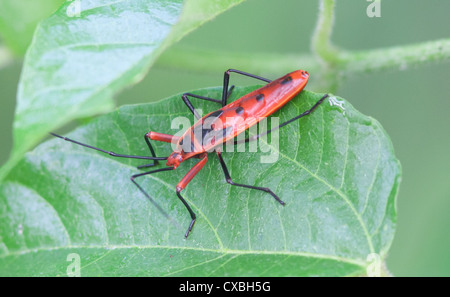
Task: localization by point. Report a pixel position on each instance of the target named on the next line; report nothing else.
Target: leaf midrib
(225, 251)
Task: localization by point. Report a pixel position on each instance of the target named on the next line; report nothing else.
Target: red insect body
(226, 123)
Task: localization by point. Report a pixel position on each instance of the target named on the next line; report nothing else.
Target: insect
(243, 112)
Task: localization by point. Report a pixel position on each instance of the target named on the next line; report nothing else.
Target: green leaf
(18, 19)
(79, 61)
(336, 171)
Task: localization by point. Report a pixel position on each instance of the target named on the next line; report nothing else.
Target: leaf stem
(348, 63)
(393, 58)
(321, 40)
(203, 60)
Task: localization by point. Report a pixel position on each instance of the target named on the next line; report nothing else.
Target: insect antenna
(133, 176)
(109, 152)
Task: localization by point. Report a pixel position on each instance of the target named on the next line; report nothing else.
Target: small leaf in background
(79, 60)
(336, 171)
(18, 19)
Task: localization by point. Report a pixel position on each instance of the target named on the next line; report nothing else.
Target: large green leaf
(78, 61)
(336, 172)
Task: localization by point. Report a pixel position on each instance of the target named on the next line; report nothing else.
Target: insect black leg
(191, 107)
(183, 183)
(228, 179)
(309, 111)
(133, 177)
(225, 93)
(152, 151)
(191, 213)
(226, 80)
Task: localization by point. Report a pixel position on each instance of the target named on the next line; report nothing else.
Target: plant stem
(347, 63)
(394, 58)
(211, 61)
(321, 40)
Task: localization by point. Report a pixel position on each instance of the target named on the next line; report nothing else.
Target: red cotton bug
(243, 112)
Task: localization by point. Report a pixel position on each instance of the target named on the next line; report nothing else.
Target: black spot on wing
(211, 136)
(205, 132)
(214, 114)
(185, 142)
(227, 131)
(286, 80)
(239, 110)
(259, 97)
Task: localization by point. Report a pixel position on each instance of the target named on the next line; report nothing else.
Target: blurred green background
(412, 104)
